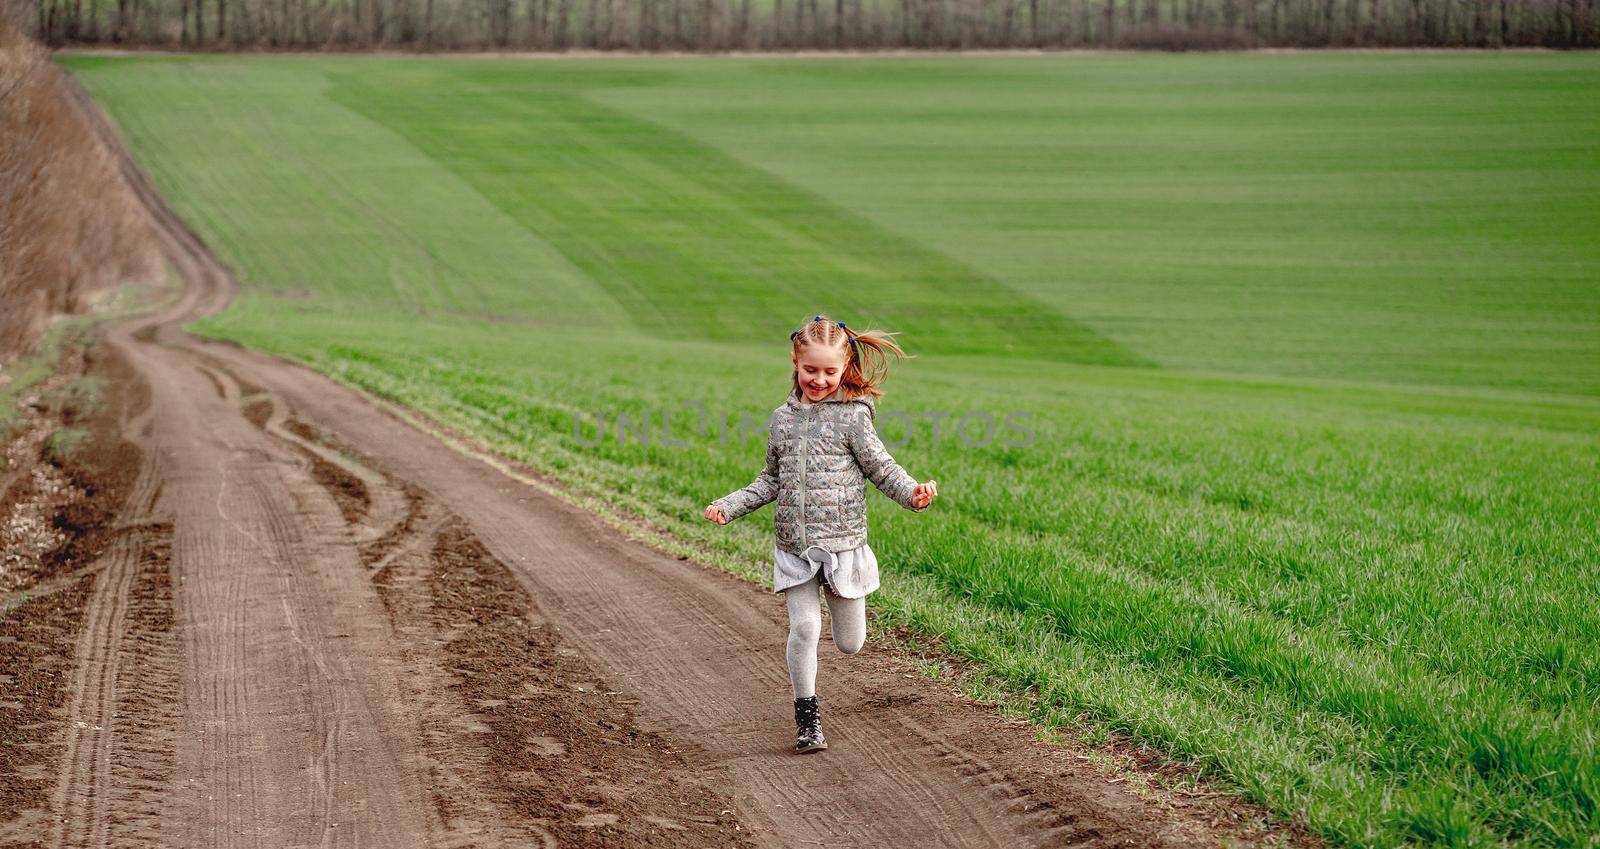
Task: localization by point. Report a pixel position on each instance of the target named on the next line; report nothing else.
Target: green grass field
(1310, 346)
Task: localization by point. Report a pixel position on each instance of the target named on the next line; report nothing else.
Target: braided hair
(867, 353)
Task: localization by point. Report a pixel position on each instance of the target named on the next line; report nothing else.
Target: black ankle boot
(808, 726)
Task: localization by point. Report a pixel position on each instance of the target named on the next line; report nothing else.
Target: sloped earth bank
(316, 625)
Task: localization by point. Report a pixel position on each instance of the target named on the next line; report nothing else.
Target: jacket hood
(796, 402)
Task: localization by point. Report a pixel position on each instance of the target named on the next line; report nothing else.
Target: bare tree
(840, 24)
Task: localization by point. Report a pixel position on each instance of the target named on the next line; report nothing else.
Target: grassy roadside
(31, 369)
(1365, 603)
(27, 372)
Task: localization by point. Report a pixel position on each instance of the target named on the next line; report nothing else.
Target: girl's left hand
(924, 494)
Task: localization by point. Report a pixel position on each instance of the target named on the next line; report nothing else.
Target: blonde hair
(866, 354)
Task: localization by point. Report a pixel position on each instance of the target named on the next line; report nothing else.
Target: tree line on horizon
(716, 25)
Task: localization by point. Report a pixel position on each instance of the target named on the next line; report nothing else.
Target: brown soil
(347, 490)
(75, 551)
(318, 625)
(67, 471)
(564, 748)
(37, 639)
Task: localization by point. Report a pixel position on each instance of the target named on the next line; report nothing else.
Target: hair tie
(794, 334)
(842, 324)
(816, 318)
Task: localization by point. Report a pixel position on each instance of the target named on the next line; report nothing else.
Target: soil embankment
(70, 230)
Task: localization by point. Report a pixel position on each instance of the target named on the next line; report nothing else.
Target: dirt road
(323, 627)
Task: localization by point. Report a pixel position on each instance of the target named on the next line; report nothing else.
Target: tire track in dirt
(380, 641)
(37, 641)
(525, 743)
(122, 719)
(93, 575)
(301, 739)
(290, 735)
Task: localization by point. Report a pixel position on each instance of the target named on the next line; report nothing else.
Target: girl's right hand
(714, 513)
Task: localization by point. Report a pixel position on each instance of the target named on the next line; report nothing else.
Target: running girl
(821, 450)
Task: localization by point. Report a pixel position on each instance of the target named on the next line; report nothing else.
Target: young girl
(821, 448)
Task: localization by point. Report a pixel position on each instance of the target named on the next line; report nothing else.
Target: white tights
(849, 617)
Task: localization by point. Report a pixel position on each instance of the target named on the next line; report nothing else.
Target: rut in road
(288, 647)
(330, 628)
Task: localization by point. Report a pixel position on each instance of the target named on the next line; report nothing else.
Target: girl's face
(820, 370)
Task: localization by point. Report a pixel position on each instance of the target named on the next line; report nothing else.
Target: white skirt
(851, 574)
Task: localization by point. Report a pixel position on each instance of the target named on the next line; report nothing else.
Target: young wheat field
(1301, 354)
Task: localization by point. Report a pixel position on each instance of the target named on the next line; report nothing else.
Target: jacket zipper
(803, 482)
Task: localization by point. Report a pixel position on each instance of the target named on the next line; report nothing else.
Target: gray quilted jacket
(819, 458)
